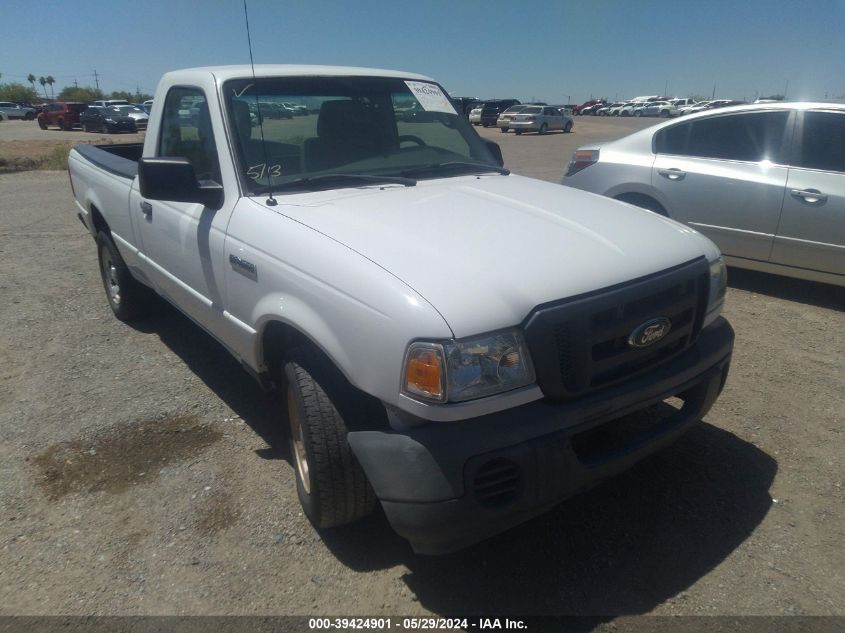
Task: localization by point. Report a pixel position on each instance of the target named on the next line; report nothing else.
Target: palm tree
(43, 83)
(31, 79)
(51, 81)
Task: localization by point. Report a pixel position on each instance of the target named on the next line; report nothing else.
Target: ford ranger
(465, 346)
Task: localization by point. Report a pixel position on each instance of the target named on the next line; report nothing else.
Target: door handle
(672, 174)
(810, 195)
(146, 208)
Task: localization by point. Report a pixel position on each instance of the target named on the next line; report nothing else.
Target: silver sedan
(772, 200)
(540, 119)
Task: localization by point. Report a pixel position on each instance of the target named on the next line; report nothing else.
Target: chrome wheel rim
(110, 278)
(298, 443)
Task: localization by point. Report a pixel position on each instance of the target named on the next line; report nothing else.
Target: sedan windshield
(354, 126)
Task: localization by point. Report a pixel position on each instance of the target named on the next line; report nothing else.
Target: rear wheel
(30, 116)
(664, 114)
(128, 298)
(503, 129)
(517, 132)
(330, 483)
(638, 113)
(568, 127)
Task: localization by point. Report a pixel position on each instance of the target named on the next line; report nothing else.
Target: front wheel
(42, 125)
(543, 129)
(568, 127)
(664, 114)
(330, 483)
(517, 132)
(30, 116)
(638, 113)
(503, 129)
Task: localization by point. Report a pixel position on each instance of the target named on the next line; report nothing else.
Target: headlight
(455, 371)
(718, 288)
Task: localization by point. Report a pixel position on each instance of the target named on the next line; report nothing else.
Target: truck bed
(121, 160)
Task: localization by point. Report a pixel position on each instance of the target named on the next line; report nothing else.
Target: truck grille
(581, 344)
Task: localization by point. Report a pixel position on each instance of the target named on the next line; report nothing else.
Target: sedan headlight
(718, 288)
(466, 369)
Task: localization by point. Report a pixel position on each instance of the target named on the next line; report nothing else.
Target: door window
(823, 142)
(186, 131)
(752, 137)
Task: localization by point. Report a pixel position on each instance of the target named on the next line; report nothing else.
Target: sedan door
(811, 234)
(554, 119)
(724, 176)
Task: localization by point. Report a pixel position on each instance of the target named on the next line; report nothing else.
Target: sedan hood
(484, 251)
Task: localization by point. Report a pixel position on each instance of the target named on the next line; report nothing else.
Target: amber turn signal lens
(424, 372)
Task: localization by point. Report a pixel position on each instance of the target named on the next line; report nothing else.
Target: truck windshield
(373, 126)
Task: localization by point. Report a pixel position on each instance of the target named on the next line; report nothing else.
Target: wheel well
(359, 410)
(643, 201)
(98, 221)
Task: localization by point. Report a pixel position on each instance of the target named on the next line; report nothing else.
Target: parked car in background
(146, 108)
(103, 103)
(492, 109)
(507, 115)
(141, 118)
(64, 115)
(297, 109)
(683, 103)
(771, 200)
(16, 111)
(603, 110)
(106, 120)
(475, 114)
(577, 110)
(592, 109)
(540, 119)
(628, 108)
(663, 109)
(463, 105)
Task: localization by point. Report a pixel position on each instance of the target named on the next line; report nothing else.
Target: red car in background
(61, 114)
(588, 104)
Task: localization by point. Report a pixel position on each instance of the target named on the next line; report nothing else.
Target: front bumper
(444, 486)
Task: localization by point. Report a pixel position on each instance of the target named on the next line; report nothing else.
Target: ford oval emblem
(650, 332)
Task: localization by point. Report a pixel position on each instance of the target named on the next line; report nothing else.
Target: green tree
(43, 83)
(31, 79)
(85, 94)
(17, 92)
(51, 81)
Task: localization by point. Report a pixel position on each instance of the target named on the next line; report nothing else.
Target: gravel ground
(143, 472)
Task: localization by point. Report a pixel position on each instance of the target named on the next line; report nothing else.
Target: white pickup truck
(466, 346)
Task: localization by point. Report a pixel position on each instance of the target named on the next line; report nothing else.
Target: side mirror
(494, 148)
(174, 179)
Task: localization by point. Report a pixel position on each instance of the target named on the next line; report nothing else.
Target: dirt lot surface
(142, 471)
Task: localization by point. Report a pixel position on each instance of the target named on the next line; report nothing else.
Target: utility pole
(75, 83)
(96, 79)
(786, 89)
(666, 89)
(714, 91)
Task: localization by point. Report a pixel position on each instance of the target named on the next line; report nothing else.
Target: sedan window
(752, 137)
(823, 143)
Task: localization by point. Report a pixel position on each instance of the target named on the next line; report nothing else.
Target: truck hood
(484, 251)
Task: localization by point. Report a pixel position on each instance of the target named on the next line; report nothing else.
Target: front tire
(330, 483)
(568, 127)
(543, 128)
(128, 298)
(42, 125)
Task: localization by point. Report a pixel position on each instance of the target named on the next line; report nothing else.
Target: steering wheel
(413, 139)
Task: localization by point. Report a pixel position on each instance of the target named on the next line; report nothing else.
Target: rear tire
(517, 132)
(568, 127)
(503, 129)
(30, 116)
(664, 114)
(128, 298)
(330, 483)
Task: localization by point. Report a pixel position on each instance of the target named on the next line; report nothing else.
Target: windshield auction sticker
(431, 98)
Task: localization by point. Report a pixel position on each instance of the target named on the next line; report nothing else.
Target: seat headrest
(243, 119)
(204, 121)
(349, 120)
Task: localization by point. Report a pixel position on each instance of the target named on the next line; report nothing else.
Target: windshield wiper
(455, 165)
(321, 181)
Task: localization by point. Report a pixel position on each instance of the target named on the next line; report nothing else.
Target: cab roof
(224, 73)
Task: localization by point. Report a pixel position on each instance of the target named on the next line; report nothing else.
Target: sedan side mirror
(174, 179)
(494, 148)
